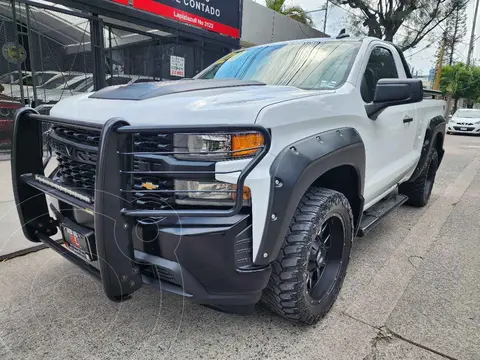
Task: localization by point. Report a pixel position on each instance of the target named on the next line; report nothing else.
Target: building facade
(119, 41)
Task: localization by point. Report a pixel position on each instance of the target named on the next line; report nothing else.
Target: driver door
(390, 146)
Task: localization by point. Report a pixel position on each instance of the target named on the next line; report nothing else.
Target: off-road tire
(287, 291)
(419, 191)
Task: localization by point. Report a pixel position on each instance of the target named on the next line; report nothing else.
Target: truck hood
(178, 102)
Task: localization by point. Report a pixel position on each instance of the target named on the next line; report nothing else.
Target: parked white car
(465, 121)
(41, 77)
(68, 84)
(55, 80)
(60, 88)
(11, 78)
(113, 80)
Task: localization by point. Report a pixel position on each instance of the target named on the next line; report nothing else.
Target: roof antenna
(342, 34)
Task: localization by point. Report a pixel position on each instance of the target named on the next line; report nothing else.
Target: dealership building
(115, 41)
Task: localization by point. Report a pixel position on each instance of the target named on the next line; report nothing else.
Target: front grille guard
(113, 215)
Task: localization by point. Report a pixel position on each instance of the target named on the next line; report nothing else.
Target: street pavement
(412, 292)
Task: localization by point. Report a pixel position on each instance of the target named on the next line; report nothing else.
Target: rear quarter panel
(426, 110)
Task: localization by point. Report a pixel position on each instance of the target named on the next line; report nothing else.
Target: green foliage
(295, 12)
(459, 81)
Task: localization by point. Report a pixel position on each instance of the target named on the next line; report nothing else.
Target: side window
(381, 65)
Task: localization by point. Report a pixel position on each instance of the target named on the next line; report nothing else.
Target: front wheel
(311, 266)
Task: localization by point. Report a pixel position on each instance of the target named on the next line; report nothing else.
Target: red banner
(170, 12)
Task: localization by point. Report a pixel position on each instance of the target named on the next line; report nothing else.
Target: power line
(415, 53)
(348, 11)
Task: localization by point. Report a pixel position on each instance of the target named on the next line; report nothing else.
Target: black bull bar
(114, 218)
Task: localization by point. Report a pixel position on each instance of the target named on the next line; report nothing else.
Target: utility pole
(325, 20)
(472, 35)
(325, 8)
(436, 85)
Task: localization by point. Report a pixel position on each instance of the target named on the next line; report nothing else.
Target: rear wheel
(311, 266)
(419, 191)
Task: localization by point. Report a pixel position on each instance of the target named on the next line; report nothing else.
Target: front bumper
(201, 254)
(463, 129)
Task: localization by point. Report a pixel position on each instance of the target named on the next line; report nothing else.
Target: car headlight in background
(217, 147)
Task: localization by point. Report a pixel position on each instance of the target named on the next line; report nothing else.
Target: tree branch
(424, 32)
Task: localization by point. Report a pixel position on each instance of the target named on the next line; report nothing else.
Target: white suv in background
(465, 121)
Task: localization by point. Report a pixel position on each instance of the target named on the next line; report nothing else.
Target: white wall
(261, 25)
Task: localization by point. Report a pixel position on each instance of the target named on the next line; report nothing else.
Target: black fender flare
(295, 169)
(436, 127)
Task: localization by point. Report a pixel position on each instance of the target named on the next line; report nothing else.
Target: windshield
(84, 85)
(307, 65)
(40, 78)
(10, 77)
(467, 113)
(111, 80)
(75, 83)
(56, 82)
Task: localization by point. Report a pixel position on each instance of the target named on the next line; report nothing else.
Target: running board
(372, 216)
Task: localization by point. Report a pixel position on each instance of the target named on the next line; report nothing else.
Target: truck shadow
(64, 302)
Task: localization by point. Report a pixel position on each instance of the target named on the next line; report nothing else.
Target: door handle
(407, 119)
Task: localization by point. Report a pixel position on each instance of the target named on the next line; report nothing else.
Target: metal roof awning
(73, 31)
(113, 12)
(69, 26)
(64, 29)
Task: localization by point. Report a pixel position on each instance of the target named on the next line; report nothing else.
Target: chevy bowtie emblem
(149, 186)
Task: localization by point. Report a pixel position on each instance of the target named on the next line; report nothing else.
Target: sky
(421, 57)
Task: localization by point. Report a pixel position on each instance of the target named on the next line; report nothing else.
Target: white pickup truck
(247, 183)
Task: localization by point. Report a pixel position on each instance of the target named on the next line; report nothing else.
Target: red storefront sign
(219, 16)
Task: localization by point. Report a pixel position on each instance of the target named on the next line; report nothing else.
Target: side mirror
(391, 92)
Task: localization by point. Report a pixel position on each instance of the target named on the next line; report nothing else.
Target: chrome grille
(78, 135)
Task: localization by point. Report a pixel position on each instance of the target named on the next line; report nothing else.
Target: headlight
(213, 147)
(208, 193)
(477, 122)
(216, 147)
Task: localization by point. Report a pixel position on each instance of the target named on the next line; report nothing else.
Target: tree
(295, 12)
(459, 81)
(384, 18)
(474, 86)
(455, 31)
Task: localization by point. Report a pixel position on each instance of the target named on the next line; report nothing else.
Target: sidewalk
(12, 241)
(411, 293)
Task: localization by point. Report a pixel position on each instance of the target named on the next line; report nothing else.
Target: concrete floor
(412, 292)
(12, 241)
